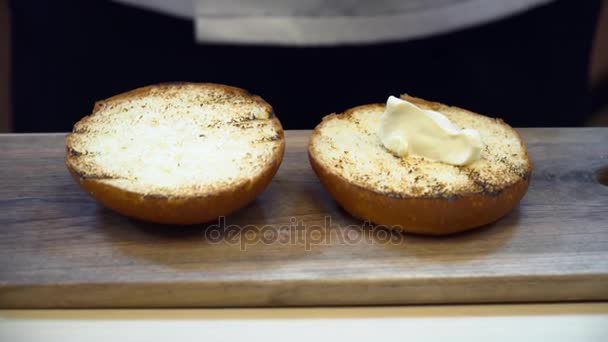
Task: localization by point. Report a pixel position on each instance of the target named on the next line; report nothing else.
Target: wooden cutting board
(58, 248)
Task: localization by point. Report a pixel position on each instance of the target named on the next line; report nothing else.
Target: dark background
(531, 69)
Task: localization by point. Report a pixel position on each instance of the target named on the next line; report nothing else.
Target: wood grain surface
(59, 249)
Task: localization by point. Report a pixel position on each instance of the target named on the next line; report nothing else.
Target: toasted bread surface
(176, 153)
(416, 194)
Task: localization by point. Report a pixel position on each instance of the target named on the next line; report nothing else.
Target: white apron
(332, 22)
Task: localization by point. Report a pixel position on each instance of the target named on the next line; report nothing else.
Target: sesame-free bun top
(177, 153)
(414, 193)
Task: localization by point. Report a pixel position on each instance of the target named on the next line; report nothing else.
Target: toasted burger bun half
(413, 194)
(181, 153)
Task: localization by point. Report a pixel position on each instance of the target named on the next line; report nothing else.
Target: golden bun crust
(429, 216)
(179, 210)
(473, 203)
(188, 190)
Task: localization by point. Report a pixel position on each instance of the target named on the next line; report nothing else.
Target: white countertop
(539, 322)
